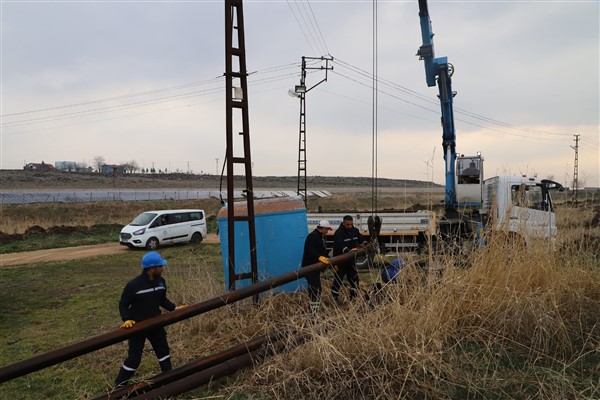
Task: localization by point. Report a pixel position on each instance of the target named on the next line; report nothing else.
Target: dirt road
(71, 253)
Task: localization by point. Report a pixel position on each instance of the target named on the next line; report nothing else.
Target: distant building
(72, 166)
(113, 169)
(39, 167)
(68, 166)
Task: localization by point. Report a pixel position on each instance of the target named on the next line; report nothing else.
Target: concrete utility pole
(217, 170)
(576, 168)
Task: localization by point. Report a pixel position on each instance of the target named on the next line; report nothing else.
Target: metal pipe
(191, 368)
(224, 369)
(106, 339)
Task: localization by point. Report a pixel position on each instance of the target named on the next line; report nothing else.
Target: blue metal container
(281, 229)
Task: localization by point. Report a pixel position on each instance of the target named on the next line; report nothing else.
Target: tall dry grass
(517, 323)
(17, 218)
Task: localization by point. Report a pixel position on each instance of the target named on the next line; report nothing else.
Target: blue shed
(281, 228)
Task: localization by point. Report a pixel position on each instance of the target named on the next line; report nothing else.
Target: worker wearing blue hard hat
(141, 299)
(391, 271)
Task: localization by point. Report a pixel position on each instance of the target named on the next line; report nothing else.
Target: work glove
(354, 249)
(181, 306)
(324, 260)
(128, 324)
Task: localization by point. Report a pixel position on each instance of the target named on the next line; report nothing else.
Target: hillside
(21, 179)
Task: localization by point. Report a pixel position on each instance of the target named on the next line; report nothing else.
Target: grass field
(517, 323)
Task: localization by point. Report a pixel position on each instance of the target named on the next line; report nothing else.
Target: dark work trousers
(349, 271)
(158, 340)
(314, 285)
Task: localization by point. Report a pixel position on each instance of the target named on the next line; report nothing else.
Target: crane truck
(520, 207)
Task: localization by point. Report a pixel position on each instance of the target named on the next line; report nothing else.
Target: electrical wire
(301, 28)
(144, 103)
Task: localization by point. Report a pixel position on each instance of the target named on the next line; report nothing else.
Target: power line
(302, 29)
(150, 92)
(387, 83)
(318, 28)
(126, 106)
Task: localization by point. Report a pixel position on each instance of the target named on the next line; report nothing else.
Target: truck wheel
(152, 243)
(196, 238)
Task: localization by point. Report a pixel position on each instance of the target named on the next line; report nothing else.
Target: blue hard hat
(153, 259)
(389, 272)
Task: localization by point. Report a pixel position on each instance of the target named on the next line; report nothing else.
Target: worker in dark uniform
(141, 299)
(314, 252)
(345, 239)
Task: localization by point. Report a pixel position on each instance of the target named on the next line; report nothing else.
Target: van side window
(195, 216)
(184, 217)
(175, 218)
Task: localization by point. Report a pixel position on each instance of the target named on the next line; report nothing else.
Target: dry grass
(519, 323)
(17, 218)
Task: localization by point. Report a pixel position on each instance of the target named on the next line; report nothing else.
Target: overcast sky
(142, 80)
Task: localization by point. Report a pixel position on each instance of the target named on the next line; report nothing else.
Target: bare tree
(99, 161)
(130, 166)
(81, 166)
(134, 166)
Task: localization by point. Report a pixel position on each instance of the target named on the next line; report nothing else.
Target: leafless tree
(98, 162)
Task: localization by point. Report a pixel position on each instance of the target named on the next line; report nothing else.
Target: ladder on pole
(236, 98)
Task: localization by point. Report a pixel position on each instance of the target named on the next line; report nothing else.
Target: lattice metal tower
(300, 92)
(236, 97)
(576, 168)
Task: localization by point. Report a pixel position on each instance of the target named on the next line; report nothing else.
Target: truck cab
(469, 180)
(520, 206)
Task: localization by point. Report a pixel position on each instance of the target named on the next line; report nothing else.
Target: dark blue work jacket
(142, 298)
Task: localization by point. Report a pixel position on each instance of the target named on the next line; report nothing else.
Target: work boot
(123, 377)
(165, 365)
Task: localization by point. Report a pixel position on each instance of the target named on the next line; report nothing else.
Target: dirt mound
(10, 238)
(37, 230)
(34, 230)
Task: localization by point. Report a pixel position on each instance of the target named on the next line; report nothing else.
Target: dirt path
(71, 253)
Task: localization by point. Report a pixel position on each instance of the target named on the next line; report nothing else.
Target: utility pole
(217, 173)
(236, 99)
(576, 168)
(300, 92)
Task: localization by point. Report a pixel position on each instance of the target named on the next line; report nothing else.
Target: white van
(152, 229)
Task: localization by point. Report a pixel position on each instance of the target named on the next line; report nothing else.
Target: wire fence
(118, 195)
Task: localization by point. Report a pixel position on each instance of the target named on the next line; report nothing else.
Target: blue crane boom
(442, 70)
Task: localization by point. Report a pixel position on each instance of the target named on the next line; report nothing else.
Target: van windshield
(143, 219)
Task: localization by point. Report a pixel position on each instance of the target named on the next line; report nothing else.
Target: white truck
(520, 207)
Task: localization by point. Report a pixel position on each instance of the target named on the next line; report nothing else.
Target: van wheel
(152, 243)
(196, 238)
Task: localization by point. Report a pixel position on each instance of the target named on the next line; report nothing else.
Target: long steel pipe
(223, 369)
(106, 339)
(191, 368)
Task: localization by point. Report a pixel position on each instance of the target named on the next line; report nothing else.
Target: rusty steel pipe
(191, 368)
(225, 368)
(106, 339)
